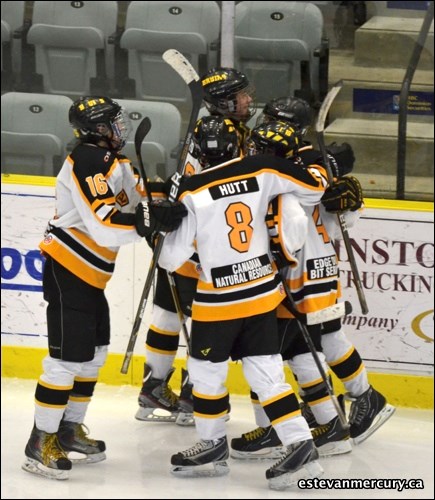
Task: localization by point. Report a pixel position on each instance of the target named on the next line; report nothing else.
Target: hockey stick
(291, 306)
(327, 314)
(320, 126)
(182, 66)
(141, 132)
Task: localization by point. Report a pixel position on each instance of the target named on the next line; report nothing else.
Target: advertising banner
(394, 251)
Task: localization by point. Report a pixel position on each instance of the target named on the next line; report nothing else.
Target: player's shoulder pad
(310, 156)
(285, 166)
(90, 160)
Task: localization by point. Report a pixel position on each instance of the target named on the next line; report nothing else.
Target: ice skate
(73, 438)
(206, 458)
(300, 462)
(331, 439)
(261, 443)
(45, 457)
(157, 401)
(367, 413)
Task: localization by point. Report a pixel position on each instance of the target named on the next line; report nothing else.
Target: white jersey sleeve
(332, 225)
(288, 226)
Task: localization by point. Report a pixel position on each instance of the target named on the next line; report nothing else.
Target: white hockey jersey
(314, 279)
(227, 207)
(96, 192)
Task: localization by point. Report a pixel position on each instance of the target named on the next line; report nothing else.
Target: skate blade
(380, 419)
(78, 458)
(274, 453)
(310, 470)
(335, 448)
(185, 419)
(155, 415)
(35, 467)
(212, 469)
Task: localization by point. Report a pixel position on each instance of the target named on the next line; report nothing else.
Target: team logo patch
(122, 199)
(48, 239)
(205, 352)
(281, 289)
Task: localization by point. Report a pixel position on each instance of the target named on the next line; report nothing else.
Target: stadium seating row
(78, 48)
(53, 52)
(36, 135)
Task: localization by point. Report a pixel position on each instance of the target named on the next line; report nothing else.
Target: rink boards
(393, 246)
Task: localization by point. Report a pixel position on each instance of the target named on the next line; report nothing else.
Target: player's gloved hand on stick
(158, 216)
(345, 194)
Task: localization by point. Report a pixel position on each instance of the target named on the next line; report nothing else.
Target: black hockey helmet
(293, 110)
(93, 117)
(277, 138)
(221, 87)
(215, 140)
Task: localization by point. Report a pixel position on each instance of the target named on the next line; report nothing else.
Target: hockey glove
(158, 216)
(342, 160)
(345, 194)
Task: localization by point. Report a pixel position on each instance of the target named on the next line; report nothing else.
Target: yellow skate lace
(255, 434)
(318, 431)
(82, 433)
(170, 395)
(51, 449)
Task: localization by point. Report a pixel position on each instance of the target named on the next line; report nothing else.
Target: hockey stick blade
(324, 315)
(141, 132)
(181, 65)
(187, 72)
(329, 313)
(326, 104)
(320, 128)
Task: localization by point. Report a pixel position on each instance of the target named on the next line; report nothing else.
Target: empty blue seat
(153, 27)
(35, 132)
(281, 48)
(161, 141)
(12, 23)
(72, 53)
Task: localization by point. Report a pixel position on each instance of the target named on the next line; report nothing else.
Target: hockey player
(98, 209)
(369, 409)
(233, 312)
(227, 93)
(311, 293)
(299, 114)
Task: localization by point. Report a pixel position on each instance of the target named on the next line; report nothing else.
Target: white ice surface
(138, 455)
